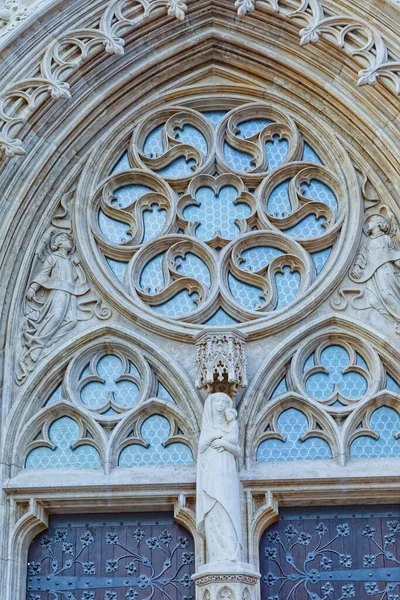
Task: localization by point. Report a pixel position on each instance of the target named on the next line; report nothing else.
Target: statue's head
(61, 240)
(376, 223)
(220, 402)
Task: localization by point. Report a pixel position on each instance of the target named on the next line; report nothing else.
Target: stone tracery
(157, 218)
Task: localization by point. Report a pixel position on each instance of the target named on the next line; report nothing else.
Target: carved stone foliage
(335, 398)
(111, 408)
(375, 275)
(58, 294)
(221, 362)
(217, 217)
(64, 55)
(359, 38)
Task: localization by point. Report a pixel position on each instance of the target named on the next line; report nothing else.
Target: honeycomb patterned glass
(122, 164)
(56, 396)
(155, 431)
(208, 197)
(280, 389)
(163, 393)
(221, 318)
(63, 434)
(320, 259)
(293, 424)
(392, 385)
(115, 231)
(214, 116)
(152, 281)
(124, 393)
(309, 155)
(385, 422)
(216, 214)
(335, 359)
(118, 268)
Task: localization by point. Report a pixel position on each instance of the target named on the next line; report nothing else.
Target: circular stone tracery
(219, 217)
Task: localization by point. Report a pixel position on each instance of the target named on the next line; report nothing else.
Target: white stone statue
(378, 265)
(52, 300)
(218, 487)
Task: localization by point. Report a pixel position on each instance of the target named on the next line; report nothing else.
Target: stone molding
(55, 69)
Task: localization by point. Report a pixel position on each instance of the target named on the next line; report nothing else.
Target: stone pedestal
(230, 580)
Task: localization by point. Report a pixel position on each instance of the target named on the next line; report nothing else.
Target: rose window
(219, 217)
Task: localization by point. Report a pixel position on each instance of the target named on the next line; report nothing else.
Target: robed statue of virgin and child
(218, 486)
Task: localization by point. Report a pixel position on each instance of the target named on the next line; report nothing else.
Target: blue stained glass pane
(155, 431)
(247, 295)
(308, 227)
(321, 385)
(152, 278)
(216, 213)
(122, 164)
(288, 285)
(153, 145)
(320, 192)
(251, 127)
(115, 231)
(281, 388)
(180, 167)
(56, 396)
(276, 152)
(361, 362)
(163, 393)
(191, 135)
(293, 424)
(63, 433)
(192, 266)
(391, 384)
(221, 318)
(153, 222)
(278, 203)
(118, 268)
(257, 258)
(95, 394)
(310, 156)
(309, 363)
(179, 305)
(239, 161)
(385, 422)
(214, 115)
(320, 259)
(128, 194)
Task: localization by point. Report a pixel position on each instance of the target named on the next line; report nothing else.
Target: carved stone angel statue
(54, 302)
(378, 265)
(218, 486)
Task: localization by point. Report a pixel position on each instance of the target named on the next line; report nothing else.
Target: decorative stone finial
(221, 361)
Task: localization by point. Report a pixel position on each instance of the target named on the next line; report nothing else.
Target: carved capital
(221, 361)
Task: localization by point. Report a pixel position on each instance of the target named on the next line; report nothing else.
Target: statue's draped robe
(218, 495)
(377, 261)
(59, 311)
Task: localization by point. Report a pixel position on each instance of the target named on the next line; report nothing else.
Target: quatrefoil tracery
(195, 184)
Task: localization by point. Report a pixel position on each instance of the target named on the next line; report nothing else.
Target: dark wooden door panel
(112, 557)
(332, 553)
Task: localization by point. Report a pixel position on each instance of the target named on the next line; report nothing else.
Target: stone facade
(290, 294)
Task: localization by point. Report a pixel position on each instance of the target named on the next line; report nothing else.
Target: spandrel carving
(58, 295)
(375, 274)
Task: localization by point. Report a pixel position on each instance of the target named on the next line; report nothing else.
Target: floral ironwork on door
(112, 557)
(335, 553)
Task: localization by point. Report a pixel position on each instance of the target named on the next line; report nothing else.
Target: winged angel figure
(378, 264)
(56, 299)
